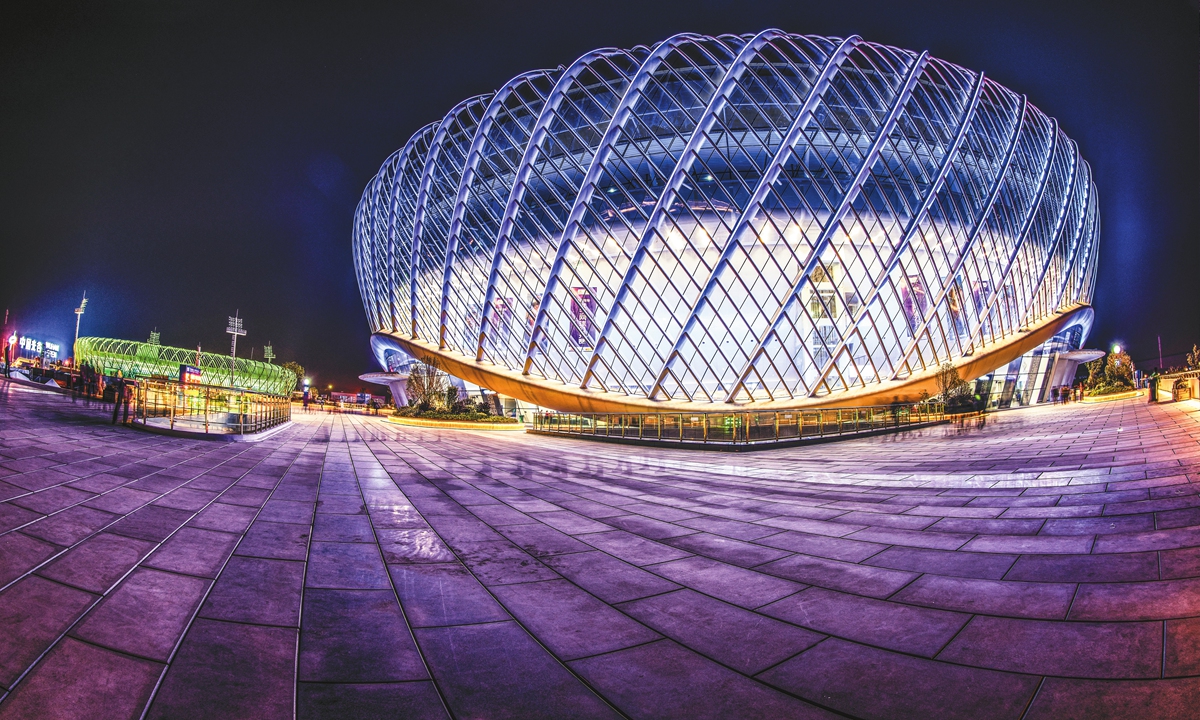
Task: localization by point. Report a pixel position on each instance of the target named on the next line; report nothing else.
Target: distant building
(144, 360)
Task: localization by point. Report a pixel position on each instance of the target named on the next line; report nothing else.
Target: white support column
(1058, 228)
(835, 218)
(435, 149)
(678, 175)
(1021, 237)
(474, 153)
(394, 201)
(910, 231)
(974, 236)
(532, 149)
(620, 115)
(750, 213)
(1079, 241)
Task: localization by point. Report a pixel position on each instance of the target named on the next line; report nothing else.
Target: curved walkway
(1045, 565)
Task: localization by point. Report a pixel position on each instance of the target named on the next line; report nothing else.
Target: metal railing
(206, 408)
(741, 428)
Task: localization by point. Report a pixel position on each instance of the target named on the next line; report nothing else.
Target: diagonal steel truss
(687, 221)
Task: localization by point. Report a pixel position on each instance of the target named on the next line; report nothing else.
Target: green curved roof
(138, 359)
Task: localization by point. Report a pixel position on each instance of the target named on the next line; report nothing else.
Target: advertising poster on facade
(912, 298)
(530, 320)
(583, 308)
(502, 316)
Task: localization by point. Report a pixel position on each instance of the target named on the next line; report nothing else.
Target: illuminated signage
(37, 347)
(189, 375)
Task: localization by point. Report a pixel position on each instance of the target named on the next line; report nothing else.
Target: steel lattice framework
(138, 359)
(775, 219)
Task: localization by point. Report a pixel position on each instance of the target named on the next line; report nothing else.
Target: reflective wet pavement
(1046, 565)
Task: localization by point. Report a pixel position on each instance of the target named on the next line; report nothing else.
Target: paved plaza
(1043, 565)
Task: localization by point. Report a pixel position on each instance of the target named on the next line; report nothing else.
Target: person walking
(118, 395)
(126, 397)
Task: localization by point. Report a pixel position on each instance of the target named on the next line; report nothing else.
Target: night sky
(184, 160)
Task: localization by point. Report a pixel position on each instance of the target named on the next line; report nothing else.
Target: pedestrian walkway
(1045, 564)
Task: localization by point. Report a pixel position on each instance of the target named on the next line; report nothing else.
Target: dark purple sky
(181, 161)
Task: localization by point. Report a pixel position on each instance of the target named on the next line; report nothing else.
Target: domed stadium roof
(777, 220)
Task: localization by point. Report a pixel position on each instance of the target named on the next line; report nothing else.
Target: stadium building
(711, 223)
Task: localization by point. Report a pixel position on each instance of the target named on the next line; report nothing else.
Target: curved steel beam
(750, 213)
(382, 251)
(974, 236)
(1021, 238)
(1058, 228)
(571, 398)
(615, 124)
(835, 218)
(572, 227)
(537, 135)
(406, 154)
(435, 149)
(1079, 241)
(1093, 260)
(474, 153)
(356, 248)
(911, 230)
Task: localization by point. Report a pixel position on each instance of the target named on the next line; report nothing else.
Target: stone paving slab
(1043, 564)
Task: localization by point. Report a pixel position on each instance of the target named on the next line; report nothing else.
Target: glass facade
(729, 219)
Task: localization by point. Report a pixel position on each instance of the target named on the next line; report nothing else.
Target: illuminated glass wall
(730, 219)
(144, 360)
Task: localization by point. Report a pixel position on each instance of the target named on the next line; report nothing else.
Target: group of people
(1064, 394)
(91, 383)
(307, 402)
(87, 383)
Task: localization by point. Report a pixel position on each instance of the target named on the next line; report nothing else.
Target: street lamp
(78, 316)
(234, 329)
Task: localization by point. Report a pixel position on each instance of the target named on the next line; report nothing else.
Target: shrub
(1108, 389)
(465, 415)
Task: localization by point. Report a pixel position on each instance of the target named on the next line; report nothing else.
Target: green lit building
(144, 360)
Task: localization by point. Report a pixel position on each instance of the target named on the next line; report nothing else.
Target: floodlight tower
(269, 353)
(78, 316)
(234, 329)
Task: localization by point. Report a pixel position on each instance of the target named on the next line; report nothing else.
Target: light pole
(78, 316)
(234, 329)
(269, 353)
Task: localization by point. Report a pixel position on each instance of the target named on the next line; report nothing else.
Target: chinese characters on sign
(37, 347)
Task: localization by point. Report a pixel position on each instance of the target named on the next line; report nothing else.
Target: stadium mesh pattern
(733, 218)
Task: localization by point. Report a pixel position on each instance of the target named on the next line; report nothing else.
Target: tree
(296, 368)
(951, 387)
(1095, 370)
(1193, 358)
(1118, 369)
(427, 384)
